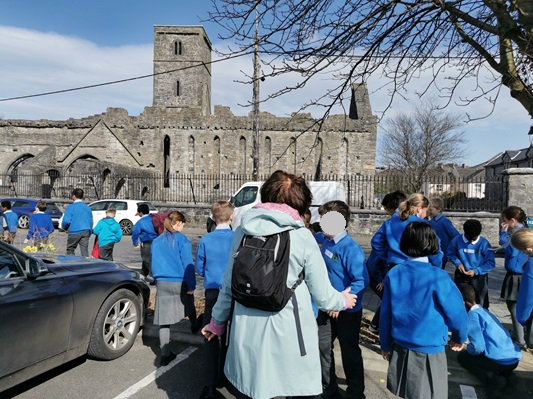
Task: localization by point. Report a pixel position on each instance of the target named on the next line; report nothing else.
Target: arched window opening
(178, 48)
(216, 155)
(192, 155)
(166, 161)
(268, 154)
(12, 171)
(242, 147)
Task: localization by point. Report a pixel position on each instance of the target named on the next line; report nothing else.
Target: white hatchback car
(126, 212)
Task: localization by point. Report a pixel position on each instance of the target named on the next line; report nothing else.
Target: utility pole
(255, 101)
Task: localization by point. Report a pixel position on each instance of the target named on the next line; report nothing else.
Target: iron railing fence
(364, 192)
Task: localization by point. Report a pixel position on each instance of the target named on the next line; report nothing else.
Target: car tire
(116, 326)
(24, 222)
(126, 226)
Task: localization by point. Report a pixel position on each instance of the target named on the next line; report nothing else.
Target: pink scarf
(271, 206)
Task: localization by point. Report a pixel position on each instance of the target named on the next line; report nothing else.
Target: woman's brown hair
(285, 188)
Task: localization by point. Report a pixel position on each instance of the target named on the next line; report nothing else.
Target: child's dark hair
(516, 213)
(419, 239)
(391, 201)
(472, 229)
(315, 227)
(469, 294)
(6, 204)
(337, 206)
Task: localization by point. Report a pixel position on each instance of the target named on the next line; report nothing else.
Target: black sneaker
(165, 360)
(373, 328)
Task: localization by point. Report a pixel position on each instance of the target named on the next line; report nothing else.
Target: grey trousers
(82, 239)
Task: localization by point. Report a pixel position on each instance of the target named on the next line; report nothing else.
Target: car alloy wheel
(24, 222)
(116, 325)
(126, 226)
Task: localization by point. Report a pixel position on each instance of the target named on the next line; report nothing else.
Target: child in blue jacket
(523, 241)
(10, 221)
(420, 303)
(445, 229)
(41, 226)
(212, 257)
(376, 266)
(109, 232)
(344, 260)
(490, 355)
(514, 219)
(473, 258)
(171, 261)
(386, 241)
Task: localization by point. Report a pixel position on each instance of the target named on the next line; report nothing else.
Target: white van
(249, 194)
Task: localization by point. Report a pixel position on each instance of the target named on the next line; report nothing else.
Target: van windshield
(244, 197)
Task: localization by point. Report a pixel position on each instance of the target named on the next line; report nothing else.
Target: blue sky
(60, 44)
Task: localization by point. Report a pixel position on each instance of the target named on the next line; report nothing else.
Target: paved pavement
(180, 332)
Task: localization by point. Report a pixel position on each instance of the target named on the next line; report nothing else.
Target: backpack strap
(297, 314)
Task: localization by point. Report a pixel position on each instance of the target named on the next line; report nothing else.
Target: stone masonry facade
(179, 134)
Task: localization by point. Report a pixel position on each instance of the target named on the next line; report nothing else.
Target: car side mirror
(34, 268)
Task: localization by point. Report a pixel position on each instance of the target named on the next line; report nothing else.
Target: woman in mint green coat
(264, 358)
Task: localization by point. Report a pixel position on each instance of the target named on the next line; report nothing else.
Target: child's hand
(379, 287)
(333, 314)
(461, 268)
(386, 355)
(470, 273)
(456, 347)
(191, 292)
(505, 226)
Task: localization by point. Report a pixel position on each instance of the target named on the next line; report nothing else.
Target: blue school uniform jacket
(78, 218)
(12, 220)
(172, 259)
(420, 303)
(477, 256)
(40, 226)
(386, 241)
(212, 256)
(488, 337)
(143, 230)
(445, 230)
(345, 261)
(524, 304)
(515, 260)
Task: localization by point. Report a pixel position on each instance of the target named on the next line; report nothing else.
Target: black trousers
(373, 285)
(480, 283)
(346, 329)
(483, 367)
(146, 256)
(82, 239)
(214, 350)
(106, 252)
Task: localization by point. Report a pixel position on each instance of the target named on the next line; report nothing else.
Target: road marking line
(155, 374)
(468, 392)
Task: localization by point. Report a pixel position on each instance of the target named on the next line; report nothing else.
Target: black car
(56, 308)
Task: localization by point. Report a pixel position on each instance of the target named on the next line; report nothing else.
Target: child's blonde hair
(409, 206)
(111, 211)
(222, 211)
(437, 202)
(523, 240)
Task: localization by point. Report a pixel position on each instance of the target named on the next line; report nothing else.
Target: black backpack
(260, 269)
(259, 276)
